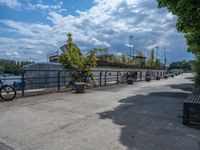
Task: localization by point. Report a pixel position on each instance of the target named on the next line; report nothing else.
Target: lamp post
(156, 47)
(130, 44)
(165, 57)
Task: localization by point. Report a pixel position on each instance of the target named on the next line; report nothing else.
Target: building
(140, 61)
(44, 75)
(54, 58)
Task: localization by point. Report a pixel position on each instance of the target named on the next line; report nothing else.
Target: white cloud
(10, 3)
(107, 23)
(41, 6)
(128, 45)
(29, 5)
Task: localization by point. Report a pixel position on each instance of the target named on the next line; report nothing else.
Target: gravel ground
(143, 116)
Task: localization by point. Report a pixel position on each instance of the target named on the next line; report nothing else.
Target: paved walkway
(145, 116)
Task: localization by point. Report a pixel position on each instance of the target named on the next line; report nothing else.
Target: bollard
(58, 77)
(100, 78)
(118, 73)
(105, 80)
(23, 83)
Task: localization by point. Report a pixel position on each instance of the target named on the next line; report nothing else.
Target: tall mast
(165, 57)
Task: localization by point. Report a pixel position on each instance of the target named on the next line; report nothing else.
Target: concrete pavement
(144, 116)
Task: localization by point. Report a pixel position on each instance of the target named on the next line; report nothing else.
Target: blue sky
(31, 29)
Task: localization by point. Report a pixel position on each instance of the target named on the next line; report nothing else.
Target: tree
(81, 67)
(11, 66)
(151, 60)
(185, 65)
(124, 58)
(72, 58)
(188, 22)
(103, 51)
(140, 53)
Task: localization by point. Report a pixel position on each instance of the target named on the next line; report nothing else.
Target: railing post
(118, 77)
(105, 78)
(127, 74)
(23, 83)
(58, 77)
(100, 78)
(141, 76)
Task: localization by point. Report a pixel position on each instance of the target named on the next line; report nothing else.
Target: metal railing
(58, 80)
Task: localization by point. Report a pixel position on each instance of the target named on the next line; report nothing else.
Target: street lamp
(156, 47)
(165, 55)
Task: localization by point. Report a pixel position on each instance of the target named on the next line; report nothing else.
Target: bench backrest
(193, 98)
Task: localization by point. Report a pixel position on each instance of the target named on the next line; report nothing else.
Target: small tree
(151, 60)
(103, 51)
(81, 67)
(124, 58)
(140, 53)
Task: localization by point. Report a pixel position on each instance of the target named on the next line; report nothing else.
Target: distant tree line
(11, 66)
(185, 65)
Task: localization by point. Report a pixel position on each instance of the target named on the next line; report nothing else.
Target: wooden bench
(191, 101)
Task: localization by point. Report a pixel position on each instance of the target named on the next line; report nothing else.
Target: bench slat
(193, 98)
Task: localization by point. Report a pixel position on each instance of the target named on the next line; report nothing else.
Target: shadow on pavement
(184, 87)
(190, 78)
(153, 122)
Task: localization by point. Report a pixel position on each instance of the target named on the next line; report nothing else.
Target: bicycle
(7, 92)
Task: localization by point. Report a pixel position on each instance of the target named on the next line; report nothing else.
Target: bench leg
(186, 115)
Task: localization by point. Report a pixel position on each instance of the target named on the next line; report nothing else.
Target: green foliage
(11, 66)
(197, 69)
(72, 58)
(124, 58)
(140, 53)
(151, 61)
(188, 12)
(81, 67)
(103, 51)
(188, 22)
(185, 65)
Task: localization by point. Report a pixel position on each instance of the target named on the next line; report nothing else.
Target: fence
(27, 81)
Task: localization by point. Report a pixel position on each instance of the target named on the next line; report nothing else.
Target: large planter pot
(79, 87)
(148, 78)
(157, 78)
(130, 81)
(172, 75)
(166, 77)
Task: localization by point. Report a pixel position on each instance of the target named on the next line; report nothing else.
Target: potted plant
(130, 77)
(157, 78)
(130, 81)
(148, 76)
(80, 66)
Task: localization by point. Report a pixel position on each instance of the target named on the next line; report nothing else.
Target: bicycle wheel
(7, 92)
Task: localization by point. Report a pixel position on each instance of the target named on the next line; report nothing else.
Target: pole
(165, 55)
(130, 44)
(157, 47)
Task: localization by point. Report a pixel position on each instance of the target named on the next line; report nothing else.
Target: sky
(34, 29)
